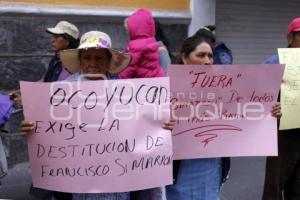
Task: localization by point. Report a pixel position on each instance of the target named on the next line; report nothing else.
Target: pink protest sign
(224, 110)
(99, 136)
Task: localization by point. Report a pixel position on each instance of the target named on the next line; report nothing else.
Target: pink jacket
(142, 46)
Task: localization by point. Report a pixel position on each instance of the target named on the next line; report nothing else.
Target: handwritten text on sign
(91, 135)
(224, 110)
(290, 88)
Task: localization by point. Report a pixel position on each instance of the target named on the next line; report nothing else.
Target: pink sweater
(142, 46)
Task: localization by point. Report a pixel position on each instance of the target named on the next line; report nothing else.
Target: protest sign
(224, 110)
(290, 88)
(99, 136)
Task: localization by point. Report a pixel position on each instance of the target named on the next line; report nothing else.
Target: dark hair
(159, 34)
(189, 45)
(207, 32)
(73, 43)
(292, 34)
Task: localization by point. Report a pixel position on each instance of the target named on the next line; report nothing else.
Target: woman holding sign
(199, 179)
(94, 59)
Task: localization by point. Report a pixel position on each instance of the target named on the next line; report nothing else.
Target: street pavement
(245, 182)
(246, 179)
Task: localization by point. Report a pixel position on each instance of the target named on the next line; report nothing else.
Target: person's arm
(169, 125)
(272, 60)
(26, 127)
(164, 58)
(276, 110)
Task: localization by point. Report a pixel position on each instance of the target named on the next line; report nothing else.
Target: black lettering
(150, 142)
(37, 126)
(117, 122)
(71, 97)
(82, 153)
(91, 170)
(97, 149)
(82, 126)
(40, 147)
(107, 146)
(51, 151)
(60, 127)
(156, 161)
(60, 171)
(52, 124)
(51, 172)
(127, 147)
(104, 171)
(168, 160)
(100, 128)
(55, 93)
(113, 146)
(43, 172)
(137, 94)
(157, 143)
(121, 96)
(62, 150)
(90, 149)
(69, 126)
(121, 147)
(153, 96)
(111, 97)
(69, 173)
(78, 171)
(87, 98)
(160, 95)
(149, 161)
(136, 164)
(124, 167)
(86, 172)
(73, 149)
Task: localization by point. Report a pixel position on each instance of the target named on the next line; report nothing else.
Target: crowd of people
(92, 57)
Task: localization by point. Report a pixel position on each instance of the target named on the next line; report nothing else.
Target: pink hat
(294, 25)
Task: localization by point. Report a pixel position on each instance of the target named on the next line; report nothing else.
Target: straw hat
(94, 39)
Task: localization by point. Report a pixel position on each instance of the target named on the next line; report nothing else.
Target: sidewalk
(245, 183)
(17, 182)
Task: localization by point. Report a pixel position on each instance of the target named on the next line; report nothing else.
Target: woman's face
(202, 55)
(294, 40)
(95, 62)
(59, 43)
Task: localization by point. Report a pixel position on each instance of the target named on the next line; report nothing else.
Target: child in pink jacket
(142, 46)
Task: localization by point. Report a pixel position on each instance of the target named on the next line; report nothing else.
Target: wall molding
(182, 17)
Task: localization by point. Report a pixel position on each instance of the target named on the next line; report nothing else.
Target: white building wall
(254, 29)
(203, 13)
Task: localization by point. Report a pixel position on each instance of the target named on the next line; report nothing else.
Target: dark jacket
(54, 69)
(274, 59)
(222, 55)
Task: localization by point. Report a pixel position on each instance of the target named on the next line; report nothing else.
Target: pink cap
(294, 26)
